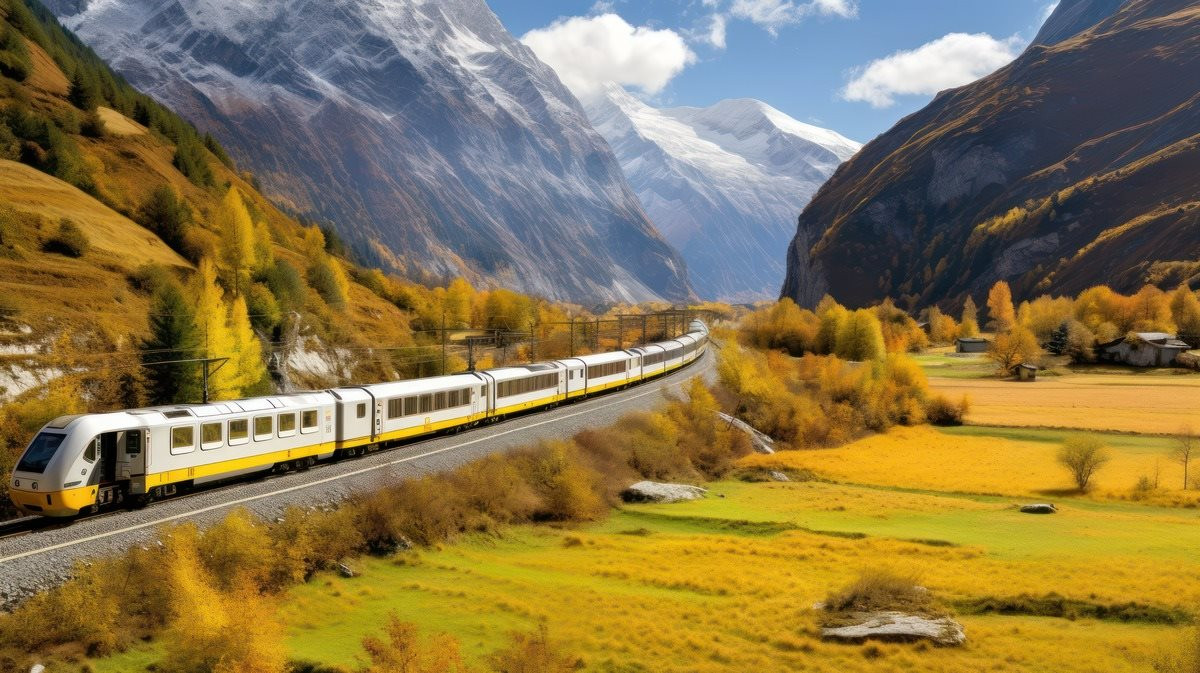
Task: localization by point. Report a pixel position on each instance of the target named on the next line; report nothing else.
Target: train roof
(432, 384)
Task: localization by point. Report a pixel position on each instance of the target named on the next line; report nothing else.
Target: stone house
(972, 345)
(1143, 349)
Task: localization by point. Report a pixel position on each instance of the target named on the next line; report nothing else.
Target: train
(82, 463)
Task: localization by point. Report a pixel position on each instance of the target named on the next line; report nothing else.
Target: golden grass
(118, 124)
(928, 458)
(1142, 403)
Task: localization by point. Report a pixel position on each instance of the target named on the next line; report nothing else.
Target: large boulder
(898, 627)
(650, 491)
(761, 442)
(1039, 508)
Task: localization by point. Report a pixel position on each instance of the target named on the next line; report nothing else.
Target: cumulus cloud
(774, 14)
(589, 52)
(949, 61)
(716, 31)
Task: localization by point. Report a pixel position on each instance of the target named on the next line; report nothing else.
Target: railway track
(35, 552)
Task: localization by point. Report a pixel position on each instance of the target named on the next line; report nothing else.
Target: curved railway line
(35, 551)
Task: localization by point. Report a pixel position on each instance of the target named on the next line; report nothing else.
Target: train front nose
(32, 497)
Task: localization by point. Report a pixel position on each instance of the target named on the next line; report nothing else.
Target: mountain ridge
(433, 138)
(1066, 168)
(723, 183)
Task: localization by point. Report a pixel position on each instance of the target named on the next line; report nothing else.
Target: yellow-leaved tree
(212, 328)
(969, 326)
(247, 359)
(1000, 307)
(238, 240)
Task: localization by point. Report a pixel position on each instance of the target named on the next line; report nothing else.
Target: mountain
(1072, 166)
(435, 141)
(723, 184)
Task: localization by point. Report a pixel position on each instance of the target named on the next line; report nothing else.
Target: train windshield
(40, 451)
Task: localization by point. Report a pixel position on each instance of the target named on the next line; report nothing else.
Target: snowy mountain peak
(724, 183)
(432, 137)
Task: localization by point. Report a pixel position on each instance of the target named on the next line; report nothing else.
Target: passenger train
(84, 462)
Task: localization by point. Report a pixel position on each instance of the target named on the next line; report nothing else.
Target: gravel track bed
(34, 561)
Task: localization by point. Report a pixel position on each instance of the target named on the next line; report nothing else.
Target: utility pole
(620, 333)
(532, 344)
(470, 354)
(443, 340)
(572, 336)
(596, 336)
(643, 329)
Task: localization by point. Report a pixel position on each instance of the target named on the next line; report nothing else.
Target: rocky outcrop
(650, 491)
(899, 627)
(761, 443)
(1039, 508)
(1070, 167)
(435, 141)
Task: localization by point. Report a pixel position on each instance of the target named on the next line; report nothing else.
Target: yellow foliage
(212, 326)
(238, 239)
(247, 360)
(1000, 307)
(402, 650)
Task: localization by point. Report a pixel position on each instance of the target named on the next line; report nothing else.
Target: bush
(329, 281)
(91, 125)
(15, 61)
(939, 410)
(533, 653)
(148, 278)
(262, 307)
(69, 240)
(878, 591)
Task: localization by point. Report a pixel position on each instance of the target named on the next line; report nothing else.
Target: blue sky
(797, 55)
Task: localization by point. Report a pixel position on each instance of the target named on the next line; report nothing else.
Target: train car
(517, 389)
(406, 409)
(79, 462)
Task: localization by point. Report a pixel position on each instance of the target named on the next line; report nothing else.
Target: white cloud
(716, 31)
(949, 61)
(774, 14)
(1047, 11)
(589, 52)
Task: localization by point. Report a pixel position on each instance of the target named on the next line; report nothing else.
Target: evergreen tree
(212, 329)
(1060, 338)
(15, 61)
(237, 240)
(167, 215)
(172, 337)
(84, 92)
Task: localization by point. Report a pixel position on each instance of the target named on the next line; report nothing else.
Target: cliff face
(430, 136)
(1072, 166)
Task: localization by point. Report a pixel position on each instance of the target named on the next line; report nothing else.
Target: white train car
(153, 452)
(421, 406)
(652, 360)
(604, 371)
(516, 389)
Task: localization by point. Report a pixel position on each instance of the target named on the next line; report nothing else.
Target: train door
(106, 461)
(130, 462)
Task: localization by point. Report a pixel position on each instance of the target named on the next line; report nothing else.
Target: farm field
(727, 583)
(1093, 398)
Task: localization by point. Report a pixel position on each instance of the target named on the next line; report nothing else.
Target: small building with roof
(1143, 349)
(972, 345)
(1027, 372)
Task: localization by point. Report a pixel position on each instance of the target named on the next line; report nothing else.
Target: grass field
(727, 583)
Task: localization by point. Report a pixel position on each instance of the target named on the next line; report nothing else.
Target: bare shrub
(1083, 456)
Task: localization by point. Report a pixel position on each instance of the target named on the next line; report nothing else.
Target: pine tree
(264, 246)
(167, 215)
(172, 337)
(237, 240)
(85, 91)
(247, 358)
(212, 328)
(1000, 307)
(1060, 338)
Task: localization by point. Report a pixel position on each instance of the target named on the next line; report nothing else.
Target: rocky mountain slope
(427, 133)
(723, 184)
(1074, 165)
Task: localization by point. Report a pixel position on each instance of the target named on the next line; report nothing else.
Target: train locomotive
(80, 463)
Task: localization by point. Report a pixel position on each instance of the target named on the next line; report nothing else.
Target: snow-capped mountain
(724, 184)
(422, 128)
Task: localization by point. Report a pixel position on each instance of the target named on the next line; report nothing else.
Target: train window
(210, 435)
(362, 409)
(464, 396)
(183, 439)
(452, 399)
(89, 454)
(308, 421)
(394, 408)
(239, 431)
(439, 401)
(263, 428)
(483, 391)
(426, 403)
(412, 406)
(287, 425)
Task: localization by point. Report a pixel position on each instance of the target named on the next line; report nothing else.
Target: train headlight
(35, 485)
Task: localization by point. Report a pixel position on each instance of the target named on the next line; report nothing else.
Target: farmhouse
(972, 345)
(1143, 349)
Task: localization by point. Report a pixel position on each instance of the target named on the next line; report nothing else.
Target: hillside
(723, 183)
(1073, 166)
(436, 142)
(96, 169)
